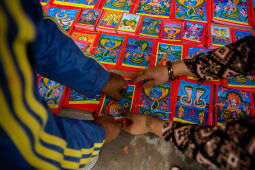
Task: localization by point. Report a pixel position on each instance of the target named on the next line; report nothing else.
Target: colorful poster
(172, 31)
(44, 2)
(233, 104)
(78, 98)
(83, 46)
(50, 91)
(118, 108)
(238, 34)
(156, 101)
(137, 53)
(65, 17)
(193, 51)
(220, 36)
(129, 22)
(77, 3)
(108, 48)
(241, 81)
(195, 10)
(85, 37)
(151, 27)
(155, 8)
(192, 105)
(119, 5)
(193, 32)
(89, 17)
(110, 20)
(166, 52)
(231, 10)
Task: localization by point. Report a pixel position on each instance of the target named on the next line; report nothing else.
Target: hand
(116, 87)
(135, 123)
(156, 76)
(112, 128)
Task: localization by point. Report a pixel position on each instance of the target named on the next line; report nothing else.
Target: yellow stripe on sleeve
(26, 34)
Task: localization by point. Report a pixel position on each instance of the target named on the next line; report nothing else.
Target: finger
(127, 128)
(149, 83)
(117, 96)
(119, 124)
(128, 115)
(139, 74)
(141, 78)
(124, 123)
(123, 89)
(108, 118)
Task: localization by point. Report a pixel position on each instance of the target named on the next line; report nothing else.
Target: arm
(229, 61)
(30, 135)
(225, 62)
(60, 59)
(228, 147)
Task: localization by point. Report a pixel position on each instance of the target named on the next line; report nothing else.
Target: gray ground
(143, 152)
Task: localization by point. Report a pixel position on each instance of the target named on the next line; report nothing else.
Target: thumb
(119, 124)
(127, 128)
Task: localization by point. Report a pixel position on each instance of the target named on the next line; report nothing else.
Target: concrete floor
(143, 152)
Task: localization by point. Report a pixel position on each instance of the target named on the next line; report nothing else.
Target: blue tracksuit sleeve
(30, 136)
(60, 59)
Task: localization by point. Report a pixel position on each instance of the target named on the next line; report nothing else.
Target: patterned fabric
(231, 146)
(225, 62)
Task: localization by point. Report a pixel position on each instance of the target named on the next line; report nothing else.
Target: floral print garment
(225, 62)
(231, 146)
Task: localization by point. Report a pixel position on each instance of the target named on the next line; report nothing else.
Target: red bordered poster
(155, 100)
(84, 36)
(109, 21)
(193, 102)
(171, 31)
(80, 4)
(240, 82)
(118, 108)
(88, 19)
(186, 10)
(150, 27)
(52, 93)
(66, 16)
(252, 3)
(84, 45)
(232, 13)
(218, 36)
(233, 104)
(194, 32)
(75, 99)
(129, 24)
(107, 49)
(168, 52)
(138, 54)
(160, 9)
(115, 5)
(238, 34)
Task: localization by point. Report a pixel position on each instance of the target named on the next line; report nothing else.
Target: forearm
(60, 59)
(180, 69)
(229, 61)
